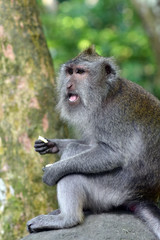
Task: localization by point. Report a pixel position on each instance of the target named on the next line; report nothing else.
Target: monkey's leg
(71, 197)
(148, 213)
(58, 211)
(55, 212)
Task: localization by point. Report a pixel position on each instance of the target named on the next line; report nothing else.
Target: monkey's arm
(96, 159)
(54, 145)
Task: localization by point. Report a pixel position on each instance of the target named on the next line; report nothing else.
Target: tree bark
(26, 111)
(149, 12)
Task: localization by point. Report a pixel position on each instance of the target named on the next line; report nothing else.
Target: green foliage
(114, 28)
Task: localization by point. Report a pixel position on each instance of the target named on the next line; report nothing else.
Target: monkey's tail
(149, 213)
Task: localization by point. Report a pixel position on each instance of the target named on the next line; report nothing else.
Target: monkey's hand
(44, 148)
(51, 174)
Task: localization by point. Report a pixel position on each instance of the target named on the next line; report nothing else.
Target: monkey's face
(76, 76)
(76, 85)
(82, 86)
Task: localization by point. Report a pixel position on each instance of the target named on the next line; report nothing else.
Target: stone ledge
(106, 226)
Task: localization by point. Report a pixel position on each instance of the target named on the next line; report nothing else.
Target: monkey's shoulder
(138, 97)
(136, 104)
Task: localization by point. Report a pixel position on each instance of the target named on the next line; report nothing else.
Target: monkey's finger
(38, 142)
(42, 153)
(40, 145)
(48, 151)
(30, 229)
(45, 151)
(41, 149)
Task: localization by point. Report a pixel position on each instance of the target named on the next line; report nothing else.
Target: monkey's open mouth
(73, 97)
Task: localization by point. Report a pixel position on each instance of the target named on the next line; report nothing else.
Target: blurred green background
(113, 26)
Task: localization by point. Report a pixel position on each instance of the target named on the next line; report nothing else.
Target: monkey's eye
(80, 70)
(69, 70)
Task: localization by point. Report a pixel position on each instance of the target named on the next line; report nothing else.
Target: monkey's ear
(110, 67)
(90, 51)
(88, 54)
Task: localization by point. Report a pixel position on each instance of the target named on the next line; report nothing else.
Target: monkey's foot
(49, 222)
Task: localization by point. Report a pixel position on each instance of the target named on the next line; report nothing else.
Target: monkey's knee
(71, 186)
(71, 196)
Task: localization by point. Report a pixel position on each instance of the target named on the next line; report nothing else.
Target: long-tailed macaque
(117, 160)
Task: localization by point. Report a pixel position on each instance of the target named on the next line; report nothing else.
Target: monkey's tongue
(73, 98)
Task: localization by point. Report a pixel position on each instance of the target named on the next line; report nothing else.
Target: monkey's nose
(69, 85)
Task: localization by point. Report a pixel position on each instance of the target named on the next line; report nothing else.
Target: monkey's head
(84, 83)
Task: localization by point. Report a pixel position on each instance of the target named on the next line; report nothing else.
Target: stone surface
(106, 226)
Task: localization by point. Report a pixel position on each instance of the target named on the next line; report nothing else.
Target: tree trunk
(26, 111)
(149, 12)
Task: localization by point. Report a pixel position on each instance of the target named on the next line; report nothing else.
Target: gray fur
(117, 162)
